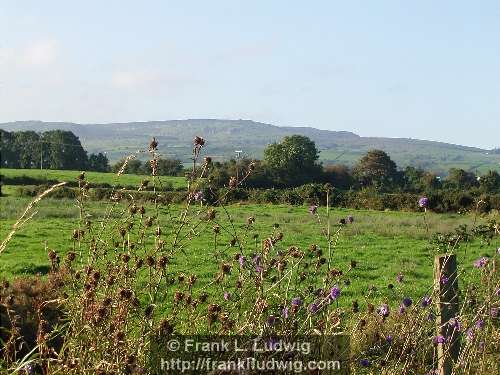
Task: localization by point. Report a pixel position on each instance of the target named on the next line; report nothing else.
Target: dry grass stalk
(21, 221)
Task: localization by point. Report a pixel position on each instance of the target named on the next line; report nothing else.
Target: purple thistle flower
(444, 280)
(284, 312)
(242, 260)
(227, 296)
(480, 324)
(423, 202)
(313, 209)
(335, 292)
(399, 277)
(383, 310)
(313, 308)
(388, 339)
(199, 196)
(364, 362)
(426, 301)
(481, 262)
(455, 323)
(258, 269)
(256, 259)
(469, 334)
(497, 292)
(271, 319)
(407, 302)
(440, 339)
(296, 301)
(402, 309)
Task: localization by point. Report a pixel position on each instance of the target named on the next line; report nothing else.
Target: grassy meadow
(383, 244)
(95, 177)
(130, 270)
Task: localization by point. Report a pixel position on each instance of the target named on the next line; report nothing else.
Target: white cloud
(132, 79)
(40, 53)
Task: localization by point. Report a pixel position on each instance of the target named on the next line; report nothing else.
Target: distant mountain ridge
(225, 136)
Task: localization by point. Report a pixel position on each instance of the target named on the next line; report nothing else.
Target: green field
(383, 243)
(94, 177)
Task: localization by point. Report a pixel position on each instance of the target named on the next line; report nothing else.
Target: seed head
(198, 141)
(233, 182)
(153, 145)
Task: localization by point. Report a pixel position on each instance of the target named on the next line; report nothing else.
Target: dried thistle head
(198, 141)
(233, 182)
(153, 145)
(211, 214)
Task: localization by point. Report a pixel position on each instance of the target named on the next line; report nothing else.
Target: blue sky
(426, 69)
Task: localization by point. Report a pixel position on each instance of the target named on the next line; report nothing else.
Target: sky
(416, 69)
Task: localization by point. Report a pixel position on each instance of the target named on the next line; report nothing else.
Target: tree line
(290, 163)
(295, 161)
(61, 149)
(54, 149)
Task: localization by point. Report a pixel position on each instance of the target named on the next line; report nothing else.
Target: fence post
(446, 283)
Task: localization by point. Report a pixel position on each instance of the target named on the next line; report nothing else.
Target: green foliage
(99, 163)
(62, 150)
(461, 179)
(293, 161)
(376, 169)
(55, 149)
(490, 182)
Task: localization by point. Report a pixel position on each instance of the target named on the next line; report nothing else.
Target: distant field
(383, 243)
(93, 177)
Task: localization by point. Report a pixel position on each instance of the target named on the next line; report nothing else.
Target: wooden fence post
(446, 282)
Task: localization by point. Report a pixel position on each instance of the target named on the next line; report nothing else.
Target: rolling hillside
(225, 136)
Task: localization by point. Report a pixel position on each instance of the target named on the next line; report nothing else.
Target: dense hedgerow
(439, 201)
(114, 292)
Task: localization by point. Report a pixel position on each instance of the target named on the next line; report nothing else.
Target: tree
(339, 176)
(27, 144)
(376, 169)
(63, 150)
(417, 180)
(9, 154)
(133, 166)
(221, 172)
(98, 163)
(461, 179)
(293, 161)
(490, 182)
(166, 167)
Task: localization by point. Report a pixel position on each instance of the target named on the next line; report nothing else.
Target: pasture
(383, 244)
(95, 177)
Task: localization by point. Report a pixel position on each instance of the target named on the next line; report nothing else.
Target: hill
(225, 136)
